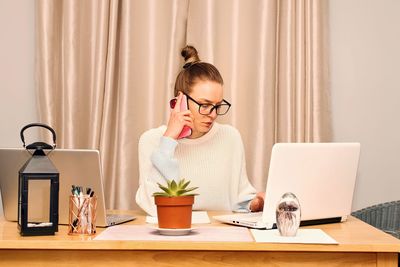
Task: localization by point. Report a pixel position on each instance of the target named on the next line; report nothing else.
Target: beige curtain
(104, 76)
(272, 55)
(106, 68)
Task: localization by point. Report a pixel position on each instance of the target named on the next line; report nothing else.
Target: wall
(365, 58)
(17, 98)
(365, 84)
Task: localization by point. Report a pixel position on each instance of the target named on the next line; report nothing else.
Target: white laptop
(321, 175)
(76, 167)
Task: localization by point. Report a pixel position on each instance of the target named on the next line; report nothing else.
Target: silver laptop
(321, 175)
(76, 167)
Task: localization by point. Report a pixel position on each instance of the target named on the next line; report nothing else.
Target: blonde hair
(193, 71)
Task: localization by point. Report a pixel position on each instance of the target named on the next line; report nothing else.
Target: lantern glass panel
(38, 202)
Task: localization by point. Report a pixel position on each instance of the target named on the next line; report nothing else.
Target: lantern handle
(39, 125)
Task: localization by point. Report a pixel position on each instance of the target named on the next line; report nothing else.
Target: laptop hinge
(321, 221)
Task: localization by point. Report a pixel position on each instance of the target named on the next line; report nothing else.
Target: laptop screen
(321, 175)
(76, 167)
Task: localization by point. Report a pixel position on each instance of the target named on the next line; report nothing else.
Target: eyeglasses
(207, 109)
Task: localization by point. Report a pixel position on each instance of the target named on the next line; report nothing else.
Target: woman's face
(204, 92)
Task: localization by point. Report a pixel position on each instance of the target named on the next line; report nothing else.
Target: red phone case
(186, 131)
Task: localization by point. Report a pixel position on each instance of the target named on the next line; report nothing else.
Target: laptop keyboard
(113, 219)
(252, 217)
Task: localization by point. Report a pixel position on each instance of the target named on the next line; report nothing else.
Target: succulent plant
(174, 189)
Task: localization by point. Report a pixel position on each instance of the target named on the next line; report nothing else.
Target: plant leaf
(180, 192)
(190, 189)
(165, 189)
(180, 183)
(185, 185)
(173, 186)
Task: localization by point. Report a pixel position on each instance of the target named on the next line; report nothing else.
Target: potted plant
(174, 204)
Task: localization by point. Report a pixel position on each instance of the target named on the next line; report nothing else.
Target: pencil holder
(82, 215)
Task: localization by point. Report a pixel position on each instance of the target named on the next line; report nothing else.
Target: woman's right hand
(178, 119)
(257, 204)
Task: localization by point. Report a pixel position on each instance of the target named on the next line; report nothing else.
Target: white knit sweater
(214, 162)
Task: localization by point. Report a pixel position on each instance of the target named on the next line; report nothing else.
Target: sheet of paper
(197, 218)
(203, 233)
(304, 236)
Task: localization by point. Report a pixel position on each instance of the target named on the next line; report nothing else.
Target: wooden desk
(359, 244)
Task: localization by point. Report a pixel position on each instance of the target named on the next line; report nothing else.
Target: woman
(212, 157)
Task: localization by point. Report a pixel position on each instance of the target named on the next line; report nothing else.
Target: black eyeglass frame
(216, 107)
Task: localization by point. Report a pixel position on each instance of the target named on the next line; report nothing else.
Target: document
(304, 236)
(204, 233)
(198, 217)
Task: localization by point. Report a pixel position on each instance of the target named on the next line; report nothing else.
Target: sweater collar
(203, 138)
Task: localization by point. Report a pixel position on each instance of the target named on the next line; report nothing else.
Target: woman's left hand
(257, 203)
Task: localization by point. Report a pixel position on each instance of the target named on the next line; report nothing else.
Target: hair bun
(189, 53)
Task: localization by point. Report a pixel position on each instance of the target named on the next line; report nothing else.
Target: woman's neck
(196, 134)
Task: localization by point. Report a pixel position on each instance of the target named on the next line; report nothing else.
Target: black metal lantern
(38, 170)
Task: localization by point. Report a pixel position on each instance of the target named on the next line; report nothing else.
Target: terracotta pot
(174, 212)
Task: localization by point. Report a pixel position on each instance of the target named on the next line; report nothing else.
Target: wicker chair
(385, 216)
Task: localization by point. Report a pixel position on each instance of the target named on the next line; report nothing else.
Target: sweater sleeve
(163, 158)
(156, 164)
(246, 192)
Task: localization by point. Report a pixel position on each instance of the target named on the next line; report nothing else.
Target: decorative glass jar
(288, 214)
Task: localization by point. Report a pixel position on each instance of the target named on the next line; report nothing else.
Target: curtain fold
(142, 64)
(272, 57)
(106, 70)
(303, 107)
(70, 68)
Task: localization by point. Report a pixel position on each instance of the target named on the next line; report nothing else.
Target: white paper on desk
(202, 233)
(303, 236)
(197, 218)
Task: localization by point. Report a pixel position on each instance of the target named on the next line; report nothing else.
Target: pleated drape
(105, 72)
(106, 69)
(272, 55)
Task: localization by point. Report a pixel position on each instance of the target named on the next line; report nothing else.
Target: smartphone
(186, 131)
